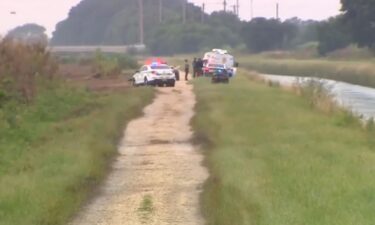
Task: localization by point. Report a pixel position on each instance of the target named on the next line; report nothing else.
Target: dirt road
(158, 176)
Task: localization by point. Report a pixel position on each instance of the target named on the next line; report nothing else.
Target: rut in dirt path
(158, 176)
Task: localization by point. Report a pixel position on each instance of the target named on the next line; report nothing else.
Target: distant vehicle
(219, 57)
(220, 76)
(155, 75)
(210, 68)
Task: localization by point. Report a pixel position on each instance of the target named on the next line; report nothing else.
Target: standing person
(194, 64)
(200, 67)
(187, 68)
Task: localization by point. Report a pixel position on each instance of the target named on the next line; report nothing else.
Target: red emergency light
(155, 61)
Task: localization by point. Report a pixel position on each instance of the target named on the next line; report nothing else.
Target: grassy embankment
(361, 72)
(56, 150)
(274, 159)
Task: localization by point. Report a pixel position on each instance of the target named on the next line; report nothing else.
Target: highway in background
(94, 48)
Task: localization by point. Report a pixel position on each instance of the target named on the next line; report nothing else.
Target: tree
(306, 31)
(359, 16)
(332, 35)
(177, 38)
(261, 34)
(29, 33)
(115, 22)
(225, 19)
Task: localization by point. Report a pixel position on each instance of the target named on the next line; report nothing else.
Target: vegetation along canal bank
(275, 159)
(59, 150)
(56, 139)
(361, 72)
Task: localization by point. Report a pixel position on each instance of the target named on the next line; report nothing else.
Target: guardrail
(102, 48)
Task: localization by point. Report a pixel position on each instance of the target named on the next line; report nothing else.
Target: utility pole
(251, 9)
(160, 11)
(141, 23)
(277, 11)
(238, 8)
(234, 10)
(225, 5)
(203, 11)
(184, 11)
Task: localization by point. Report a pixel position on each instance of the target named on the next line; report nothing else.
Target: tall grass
(22, 66)
(56, 150)
(112, 64)
(355, 72)
(273, 159)
(55, 141)
(102, 64)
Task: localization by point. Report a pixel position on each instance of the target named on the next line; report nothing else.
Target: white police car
(155, 74)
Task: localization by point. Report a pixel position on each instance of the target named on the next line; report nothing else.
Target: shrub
(21, 67)
(112, 64)
(317, 93)
(351, 52)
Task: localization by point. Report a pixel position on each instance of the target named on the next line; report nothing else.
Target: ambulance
(219, 59)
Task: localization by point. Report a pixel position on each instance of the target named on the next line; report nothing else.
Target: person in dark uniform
(187, 69)
(200, 67)
(194, 64)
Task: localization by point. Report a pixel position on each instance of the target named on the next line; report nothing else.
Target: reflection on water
(360, 100)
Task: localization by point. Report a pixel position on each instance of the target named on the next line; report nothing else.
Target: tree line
(115, 22)
(354, 25)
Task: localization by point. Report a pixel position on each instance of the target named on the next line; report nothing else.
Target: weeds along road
(158, 176)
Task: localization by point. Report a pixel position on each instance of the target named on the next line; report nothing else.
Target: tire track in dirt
(158, 175)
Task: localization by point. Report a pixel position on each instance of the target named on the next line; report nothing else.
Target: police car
(155, 74)
(209, 69)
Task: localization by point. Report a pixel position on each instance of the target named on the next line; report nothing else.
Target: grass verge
(56, 150)
(275, 159)
(355, 72)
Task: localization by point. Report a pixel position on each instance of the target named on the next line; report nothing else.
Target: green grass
(274, 159)
(361, 72)
(54, 153)
(146, 209)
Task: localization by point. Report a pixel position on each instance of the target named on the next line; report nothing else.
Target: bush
(317, 93)
(332, 36)
(21, 67)
(351, 52)
(112, 64)
(126, 62)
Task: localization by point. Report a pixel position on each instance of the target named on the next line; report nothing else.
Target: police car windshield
(160, 67)
(216, 66)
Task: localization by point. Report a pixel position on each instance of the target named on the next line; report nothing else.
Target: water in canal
(358, 99)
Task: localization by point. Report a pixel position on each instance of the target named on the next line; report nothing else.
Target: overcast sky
(50, 12)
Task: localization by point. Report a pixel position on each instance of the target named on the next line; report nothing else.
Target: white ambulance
(218, 59)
